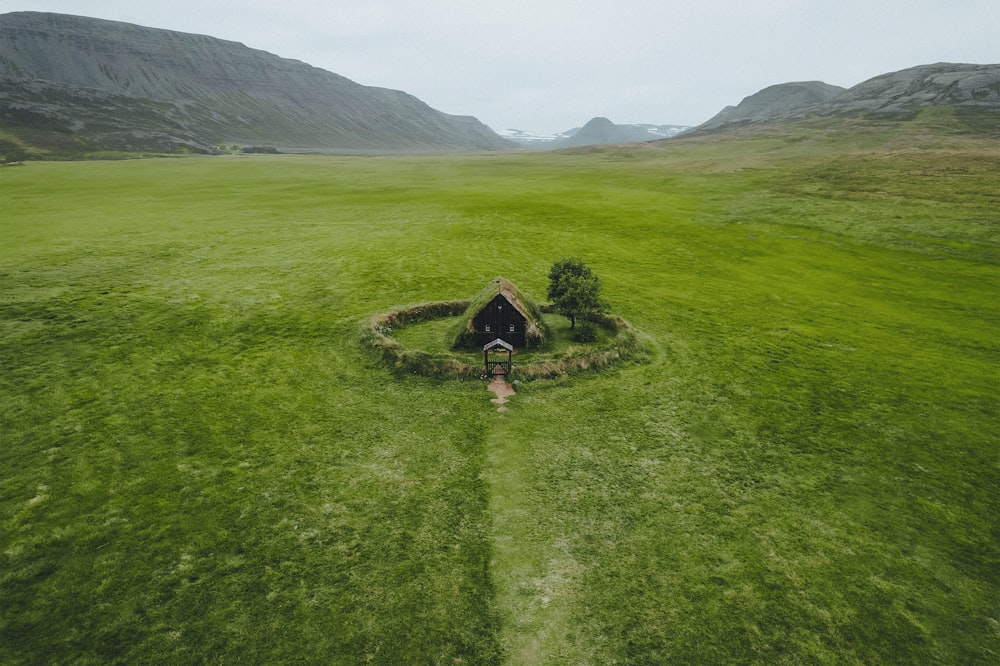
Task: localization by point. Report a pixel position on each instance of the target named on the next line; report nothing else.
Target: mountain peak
(600, 130)
(598, 122)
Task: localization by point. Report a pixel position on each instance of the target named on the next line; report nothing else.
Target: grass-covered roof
(465, 336)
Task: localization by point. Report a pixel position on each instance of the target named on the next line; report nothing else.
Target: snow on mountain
(615, 134)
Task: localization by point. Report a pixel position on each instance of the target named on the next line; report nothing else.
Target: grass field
(200, 463)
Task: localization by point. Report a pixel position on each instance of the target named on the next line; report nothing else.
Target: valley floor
(200, 462)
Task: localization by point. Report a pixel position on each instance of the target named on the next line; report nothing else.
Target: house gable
(492, 313)
(500, 319)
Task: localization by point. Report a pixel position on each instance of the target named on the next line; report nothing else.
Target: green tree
(574, 289)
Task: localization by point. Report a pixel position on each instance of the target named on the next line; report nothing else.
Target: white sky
(550, 65)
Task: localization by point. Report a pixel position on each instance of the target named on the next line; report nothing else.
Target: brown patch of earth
(503, 390)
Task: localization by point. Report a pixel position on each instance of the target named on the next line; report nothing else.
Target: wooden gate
(501, 365)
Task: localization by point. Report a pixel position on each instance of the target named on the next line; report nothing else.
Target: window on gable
(487, 328)
(512, 328)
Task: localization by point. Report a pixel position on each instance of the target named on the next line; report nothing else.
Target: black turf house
(501, 312)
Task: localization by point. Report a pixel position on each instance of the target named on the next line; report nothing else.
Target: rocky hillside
(897, 94)
(785, 100)
(70, 83)
(902, 92)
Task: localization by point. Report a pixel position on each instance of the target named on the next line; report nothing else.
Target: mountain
(599, 131)
(785, 100)
(894, 95)
(76, 84)
(942, 84)
(596, 131)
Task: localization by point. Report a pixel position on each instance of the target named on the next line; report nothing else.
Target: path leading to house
(503, 390)
(537, 580)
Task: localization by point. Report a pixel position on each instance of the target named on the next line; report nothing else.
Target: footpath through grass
(199, 462)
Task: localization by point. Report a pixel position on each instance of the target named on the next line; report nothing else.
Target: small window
(512, 328)
(487, 328)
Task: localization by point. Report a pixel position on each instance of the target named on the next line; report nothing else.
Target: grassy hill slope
(201, 463)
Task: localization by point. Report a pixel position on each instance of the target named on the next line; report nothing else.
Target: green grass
(201, 463)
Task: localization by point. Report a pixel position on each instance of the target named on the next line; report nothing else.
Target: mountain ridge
(195, 92)
(896, 94)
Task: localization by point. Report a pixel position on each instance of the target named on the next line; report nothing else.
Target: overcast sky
(550, 65)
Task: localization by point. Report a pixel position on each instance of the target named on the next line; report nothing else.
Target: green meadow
(201, 463)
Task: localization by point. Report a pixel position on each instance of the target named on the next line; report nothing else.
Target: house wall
(499, 315)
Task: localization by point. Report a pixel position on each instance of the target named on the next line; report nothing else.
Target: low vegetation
(434, 360)
(201, 461)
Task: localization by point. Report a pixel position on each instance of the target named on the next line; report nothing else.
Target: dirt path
(503, 390)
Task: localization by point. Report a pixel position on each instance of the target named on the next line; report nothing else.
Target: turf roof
(535, 326)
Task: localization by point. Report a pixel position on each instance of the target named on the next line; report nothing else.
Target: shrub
(587, 332)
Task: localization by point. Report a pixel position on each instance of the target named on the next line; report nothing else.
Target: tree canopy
(574, 289)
